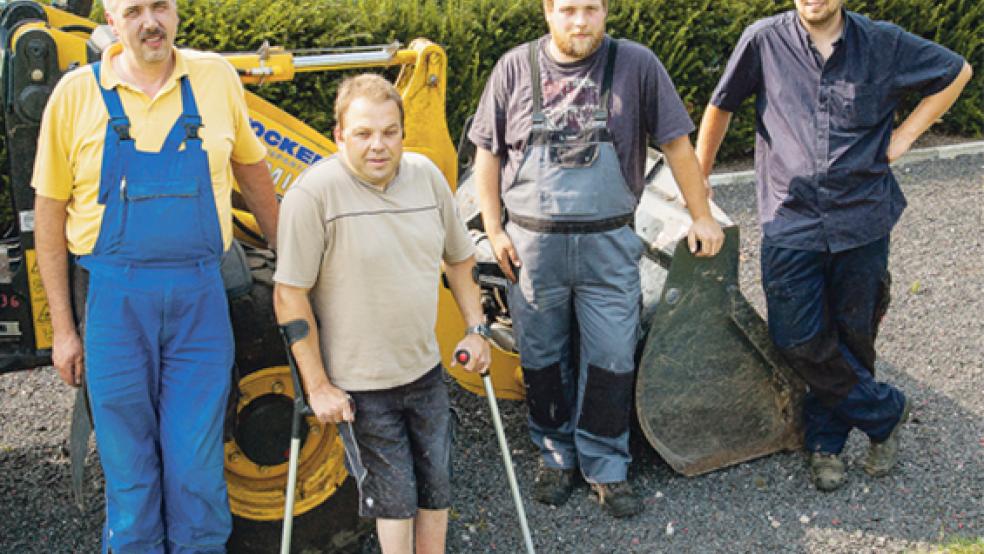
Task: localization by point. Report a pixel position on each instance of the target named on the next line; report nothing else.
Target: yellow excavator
(710, 392)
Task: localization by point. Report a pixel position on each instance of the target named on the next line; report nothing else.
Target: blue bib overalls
(158, 342)
(575, 306)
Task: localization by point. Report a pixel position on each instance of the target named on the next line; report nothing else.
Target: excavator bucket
(711, 389)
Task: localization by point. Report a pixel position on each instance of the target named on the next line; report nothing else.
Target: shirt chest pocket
(855, 106)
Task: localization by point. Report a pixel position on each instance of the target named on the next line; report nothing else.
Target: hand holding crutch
(292, 332)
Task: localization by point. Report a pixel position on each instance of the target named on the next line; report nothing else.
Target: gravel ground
(931, 345)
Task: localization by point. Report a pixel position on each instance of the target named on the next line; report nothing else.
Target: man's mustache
(157, 32)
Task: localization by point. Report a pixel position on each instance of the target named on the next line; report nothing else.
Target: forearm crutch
(292, 332)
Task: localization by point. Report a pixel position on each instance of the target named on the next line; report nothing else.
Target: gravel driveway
(931, 344)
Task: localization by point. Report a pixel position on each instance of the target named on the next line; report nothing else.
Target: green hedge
(693, 38)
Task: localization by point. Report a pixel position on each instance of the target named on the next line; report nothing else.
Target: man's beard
(821, 20)
(580, 49)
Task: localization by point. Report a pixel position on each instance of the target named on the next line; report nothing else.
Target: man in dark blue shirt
(826, 83)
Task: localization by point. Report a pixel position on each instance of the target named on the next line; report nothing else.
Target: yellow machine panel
(43, 332)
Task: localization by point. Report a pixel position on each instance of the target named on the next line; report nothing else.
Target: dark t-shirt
(823, 127)
(644, 104)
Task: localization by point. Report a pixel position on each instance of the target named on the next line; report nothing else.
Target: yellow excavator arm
(292, 144)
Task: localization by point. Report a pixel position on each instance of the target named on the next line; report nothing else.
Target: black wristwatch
(480, 329)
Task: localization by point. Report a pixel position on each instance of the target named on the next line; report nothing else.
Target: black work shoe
(553, 486)
(883, 455)
(618, 499)
(826, 471)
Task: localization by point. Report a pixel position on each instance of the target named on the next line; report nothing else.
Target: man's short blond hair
(370, 86)
(548, 5)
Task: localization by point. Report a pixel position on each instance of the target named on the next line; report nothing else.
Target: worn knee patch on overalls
(605, 409)
(545, 396)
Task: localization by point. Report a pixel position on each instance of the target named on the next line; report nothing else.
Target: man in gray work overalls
(563, 126)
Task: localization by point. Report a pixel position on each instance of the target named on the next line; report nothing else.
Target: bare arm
(52, 250)
(487, 167)
(713, 127)
(687, 172)
(468, 297)
(330, 404)
(257, 188)
(930, 109)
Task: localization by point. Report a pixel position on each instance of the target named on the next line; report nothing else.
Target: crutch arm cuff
(294, 331)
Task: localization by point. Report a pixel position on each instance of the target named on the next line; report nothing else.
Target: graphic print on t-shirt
(569, 103)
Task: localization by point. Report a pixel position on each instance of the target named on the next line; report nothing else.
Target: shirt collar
(110, 79)
(375, 188)
(805, 35)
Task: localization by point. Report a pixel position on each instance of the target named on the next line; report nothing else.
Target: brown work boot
(618, 499)
(883, 455)
(826, 471)
(552, 485)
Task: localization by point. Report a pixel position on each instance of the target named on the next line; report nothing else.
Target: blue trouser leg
(861, 280)
(122, 327)
(540, 305)
(158, 353)
(579, 411)
(823, 315)
(607, 303)
(195, 367)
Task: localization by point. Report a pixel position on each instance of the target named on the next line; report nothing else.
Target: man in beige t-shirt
(361, 239)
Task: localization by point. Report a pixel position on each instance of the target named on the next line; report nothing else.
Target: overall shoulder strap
(193, 121)
(536, 88)
(118, 120)
(189, 122)
(606, 83)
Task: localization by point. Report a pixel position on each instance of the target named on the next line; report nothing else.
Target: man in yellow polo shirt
(133, 175)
